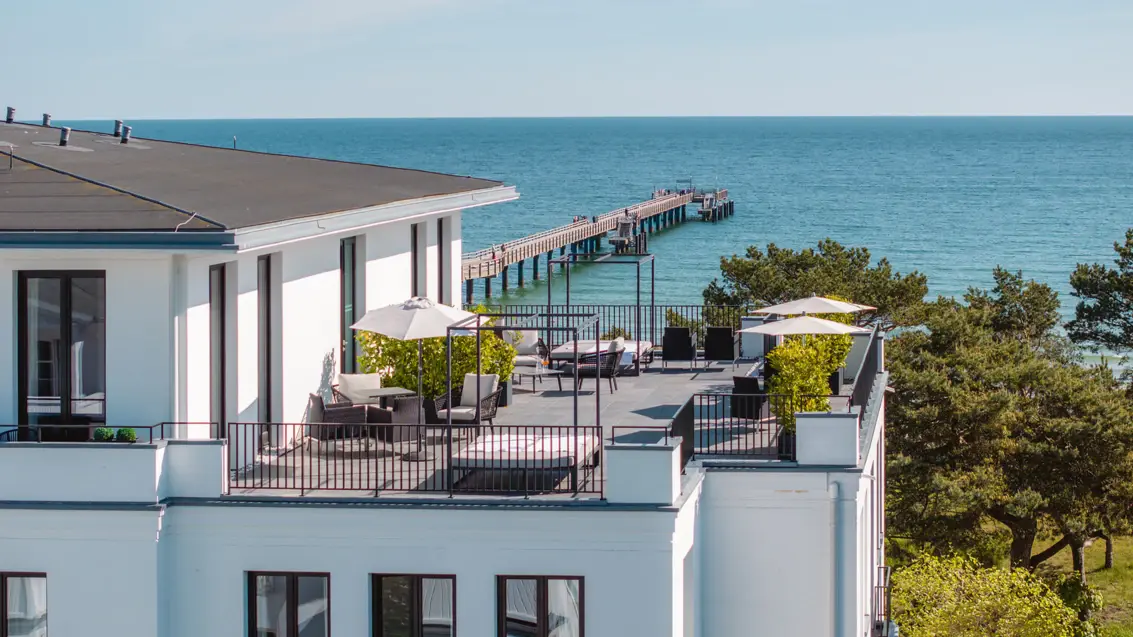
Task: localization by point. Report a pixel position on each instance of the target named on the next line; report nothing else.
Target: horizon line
(560, 117)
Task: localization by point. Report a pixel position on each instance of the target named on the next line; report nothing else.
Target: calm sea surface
(951, 197)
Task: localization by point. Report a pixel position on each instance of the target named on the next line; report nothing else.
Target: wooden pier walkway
(584, 235)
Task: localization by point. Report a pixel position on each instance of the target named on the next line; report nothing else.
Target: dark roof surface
(97, 183)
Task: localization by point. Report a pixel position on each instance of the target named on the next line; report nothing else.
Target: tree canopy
(956, 597)
(761, 278)
(1103, 317)
(993, 425)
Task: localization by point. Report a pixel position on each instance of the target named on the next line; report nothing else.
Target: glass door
(62, 354)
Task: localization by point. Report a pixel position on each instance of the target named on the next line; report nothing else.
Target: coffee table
(382, 393)
(538, 373)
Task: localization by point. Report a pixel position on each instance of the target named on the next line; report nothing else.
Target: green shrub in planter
(803, 366)
(127, 435)
(103, 434)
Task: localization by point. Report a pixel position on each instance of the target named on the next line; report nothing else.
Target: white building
(151, 282)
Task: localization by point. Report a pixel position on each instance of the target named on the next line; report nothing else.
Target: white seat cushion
(458, 413)
(359, 387)
(528, 361)
(488, 384)
(524, 342)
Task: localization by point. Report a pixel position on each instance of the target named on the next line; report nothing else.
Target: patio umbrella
(803, 325)
(814, 305)
(413, 320)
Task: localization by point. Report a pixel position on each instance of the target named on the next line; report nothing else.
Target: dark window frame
(348, 289)
(65, 336)
(218, 347)
(415, 608)
(292, 598)
(442, 245)
(265, 335)
(541, 629)
(4, 577)
(415, 259)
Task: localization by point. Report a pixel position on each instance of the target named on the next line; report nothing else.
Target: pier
(631, 227)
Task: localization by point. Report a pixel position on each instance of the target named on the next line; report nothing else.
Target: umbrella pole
(421, 454)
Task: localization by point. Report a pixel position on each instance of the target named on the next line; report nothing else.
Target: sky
(136, 59)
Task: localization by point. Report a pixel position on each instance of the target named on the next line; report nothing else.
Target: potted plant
(126, 435)
(103, 434)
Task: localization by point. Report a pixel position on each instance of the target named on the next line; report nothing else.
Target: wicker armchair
(487, 409)
(607, 364)
(335, 420)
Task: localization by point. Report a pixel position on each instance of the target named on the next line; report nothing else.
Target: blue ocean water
(951, 197)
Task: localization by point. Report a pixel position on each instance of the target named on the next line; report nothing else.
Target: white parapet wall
(102, 472)
(648, 473)
(828, 438)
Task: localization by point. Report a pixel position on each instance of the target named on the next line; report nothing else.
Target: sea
(949, 197)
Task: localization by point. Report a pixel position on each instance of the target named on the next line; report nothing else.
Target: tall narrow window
(414, 605)
(288, 605)
(529, 606)
(218, 361)
(442, 246)
(23, 605)
(348, 280)
(264, 332)
(415, 288)
(62, 354)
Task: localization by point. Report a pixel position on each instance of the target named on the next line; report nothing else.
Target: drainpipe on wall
(845, 560)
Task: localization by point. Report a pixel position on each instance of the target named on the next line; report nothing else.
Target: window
(264, 332)
(288, 605)
(529, 606)
(62, 353)
(415, 287)
(218, 360)
(348, 283)
(23, 605)
(442, 246)
(414, 605)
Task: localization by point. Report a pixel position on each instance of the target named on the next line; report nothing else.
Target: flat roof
(99, 184)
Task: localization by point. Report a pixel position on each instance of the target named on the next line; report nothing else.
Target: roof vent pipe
(117, 128)
(47, 119)
(126, 134)
(11, 115)
(64, 135)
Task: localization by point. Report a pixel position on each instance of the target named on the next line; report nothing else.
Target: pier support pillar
(535, 267)
(468, 292)
(487, 288)
(683, 217)
(503, 277)
(519, 271)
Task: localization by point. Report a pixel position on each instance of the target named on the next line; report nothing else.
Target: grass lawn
(1115, 585)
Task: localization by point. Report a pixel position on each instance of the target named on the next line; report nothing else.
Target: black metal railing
(637, 323)
(882, 598)
(749, 425)
(502, 459)
(867, 372)
(46, 433)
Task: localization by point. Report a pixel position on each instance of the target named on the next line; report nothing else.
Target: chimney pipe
(11, 114)
(117, 128)
(64, 135)
(126, 134)
(47, 119)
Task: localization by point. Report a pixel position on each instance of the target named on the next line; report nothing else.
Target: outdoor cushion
(359, 387)
(528, 361)
(458, 414)
(488, 384)
(617, 345)
(524, 342)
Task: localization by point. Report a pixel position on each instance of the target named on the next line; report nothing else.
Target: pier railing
(635, 323)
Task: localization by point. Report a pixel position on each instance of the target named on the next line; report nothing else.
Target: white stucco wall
(101, 567)
(626, 559)
(139, 334)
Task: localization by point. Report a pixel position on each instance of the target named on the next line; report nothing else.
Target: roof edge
(112, 240)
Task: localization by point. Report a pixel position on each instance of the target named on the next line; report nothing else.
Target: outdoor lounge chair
(334, 420)
(747, 397)
(530, 350)
(357, 388)
(720, 344)
(462, 401)
(677, 345)
(607, 364)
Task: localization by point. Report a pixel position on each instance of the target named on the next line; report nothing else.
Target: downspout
(845, 561)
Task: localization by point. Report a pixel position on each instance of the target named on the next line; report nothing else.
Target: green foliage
(759, 279)
(992, 425)
(710, 315)
(126, 435)
(615, 332)
(801, 376)
(397, 360)
(103, 434)
(1103, 317)
(955, 597)
(1081, 598)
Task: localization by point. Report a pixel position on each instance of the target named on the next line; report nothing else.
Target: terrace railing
(868, 371)
(44, 433)
(882, 598)
(502, 459)
(644, 322)
(754, 426)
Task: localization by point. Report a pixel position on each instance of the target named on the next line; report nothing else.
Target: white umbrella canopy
(413, 319)
(815, 305)
(800, 325)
